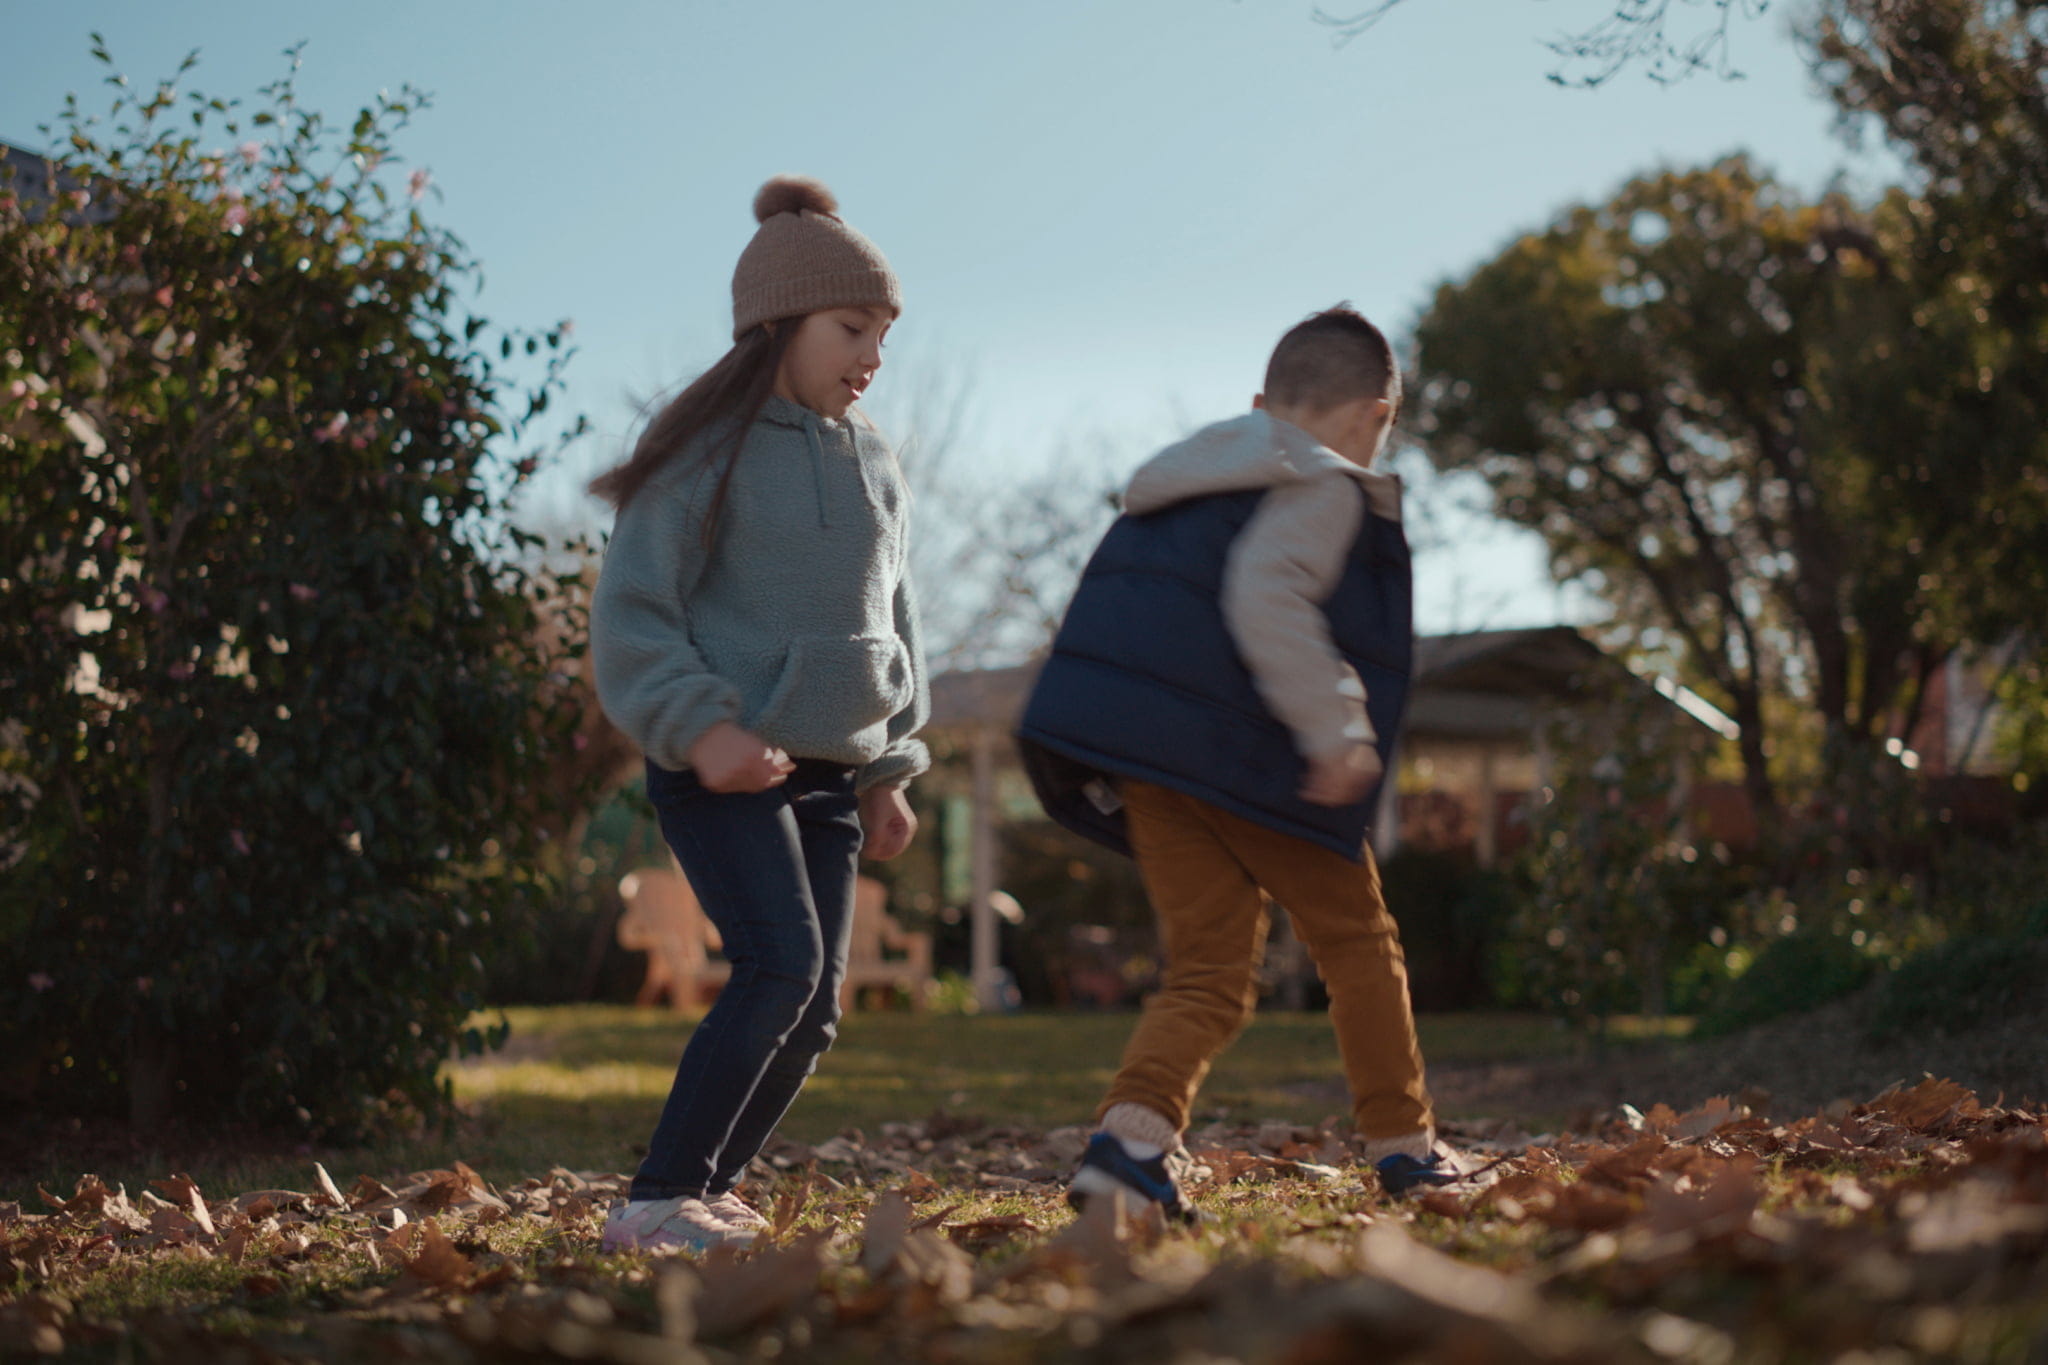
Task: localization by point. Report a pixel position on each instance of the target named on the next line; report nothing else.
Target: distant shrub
(1790, 975)
(1963, 984)
(1452, 912)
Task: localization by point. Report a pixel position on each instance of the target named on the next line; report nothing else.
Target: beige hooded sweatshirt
(1284, 564)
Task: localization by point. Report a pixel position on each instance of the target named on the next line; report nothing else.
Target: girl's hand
(728, 759)
(887, 823)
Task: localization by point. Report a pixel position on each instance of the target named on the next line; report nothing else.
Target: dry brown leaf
(90, 1196)
(937, 1265)
(1704, 1205)
(172, 1226)
(328, 1190)
(790, 1206)
(185, 1191)
(1715, 1114)
(882, 1238)
(984, 1233)
(438, 1264)
(1625, 1167)
(1580, 1207)
(741, 1293)
(237, 1244)
(936, 1220)
(1926, 1104)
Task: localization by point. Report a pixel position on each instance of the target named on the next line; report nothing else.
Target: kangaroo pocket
(833, 696)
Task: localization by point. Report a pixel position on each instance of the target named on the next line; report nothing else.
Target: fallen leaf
(328, 1190)
(741, 1293)
(882, 1238)
(1721, 1203)
(438, 1264)
(1716, 1113)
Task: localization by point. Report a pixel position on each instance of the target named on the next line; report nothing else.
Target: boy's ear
(1258, 402)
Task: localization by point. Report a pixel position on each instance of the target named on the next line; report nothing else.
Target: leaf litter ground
(1912, 1226)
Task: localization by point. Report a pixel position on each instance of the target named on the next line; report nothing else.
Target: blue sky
(1103, 211)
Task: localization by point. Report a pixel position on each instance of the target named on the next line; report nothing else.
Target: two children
(753, 630)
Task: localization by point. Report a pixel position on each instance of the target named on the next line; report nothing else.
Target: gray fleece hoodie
(1284, 564)
(798, 623)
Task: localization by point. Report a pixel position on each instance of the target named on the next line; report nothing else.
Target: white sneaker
(737, 1212)
(681, 1224)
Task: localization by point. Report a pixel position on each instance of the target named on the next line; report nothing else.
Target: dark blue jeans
(774, 871)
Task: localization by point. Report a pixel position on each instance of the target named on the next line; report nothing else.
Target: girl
(753, 631)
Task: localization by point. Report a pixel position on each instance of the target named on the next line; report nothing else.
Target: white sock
(1143, 1132)
(1418, 1145)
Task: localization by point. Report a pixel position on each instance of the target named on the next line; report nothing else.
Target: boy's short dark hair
(1332, 357)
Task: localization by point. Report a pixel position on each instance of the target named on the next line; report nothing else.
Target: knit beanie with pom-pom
(803, 259)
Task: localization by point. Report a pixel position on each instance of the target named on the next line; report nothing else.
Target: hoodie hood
(1254, 451)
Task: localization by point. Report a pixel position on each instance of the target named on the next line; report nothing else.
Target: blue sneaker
(1113, 1173)
(1401, 1174)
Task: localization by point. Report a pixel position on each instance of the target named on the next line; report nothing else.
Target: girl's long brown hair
(729, 394)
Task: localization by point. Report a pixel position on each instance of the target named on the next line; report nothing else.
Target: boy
(1218, 703)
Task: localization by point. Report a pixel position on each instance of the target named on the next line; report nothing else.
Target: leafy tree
(1739, 418)
(1956, 86)
(276, 689)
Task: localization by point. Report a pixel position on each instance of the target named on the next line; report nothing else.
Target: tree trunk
(152, 1076)
(1756, 776)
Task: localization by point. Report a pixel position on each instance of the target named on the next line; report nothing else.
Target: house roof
(1476, 684)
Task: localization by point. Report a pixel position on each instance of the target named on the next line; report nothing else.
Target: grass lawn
(579, 1086)
(588, 1080)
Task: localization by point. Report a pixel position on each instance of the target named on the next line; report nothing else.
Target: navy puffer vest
(1144, 679)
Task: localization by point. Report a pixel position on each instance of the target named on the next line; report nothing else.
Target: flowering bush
(277, 691)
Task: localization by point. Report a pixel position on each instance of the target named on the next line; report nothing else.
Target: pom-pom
(789, 193)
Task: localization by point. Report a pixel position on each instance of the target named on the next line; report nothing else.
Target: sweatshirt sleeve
(1284, 565)
(906, 755)
(651, 679)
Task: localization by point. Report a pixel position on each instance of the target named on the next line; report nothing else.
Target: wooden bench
(664, 919)
(876, 936)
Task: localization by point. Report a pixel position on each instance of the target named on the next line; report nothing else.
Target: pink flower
(162, 297)
(335, 426)
(579, 741)
(301, 593)
(416, 183)
(180, 671)
(251, 152)
(80, 198)
(40, 981)
(240, 842)
(237, 217)
(154, 600)
(18, 389)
